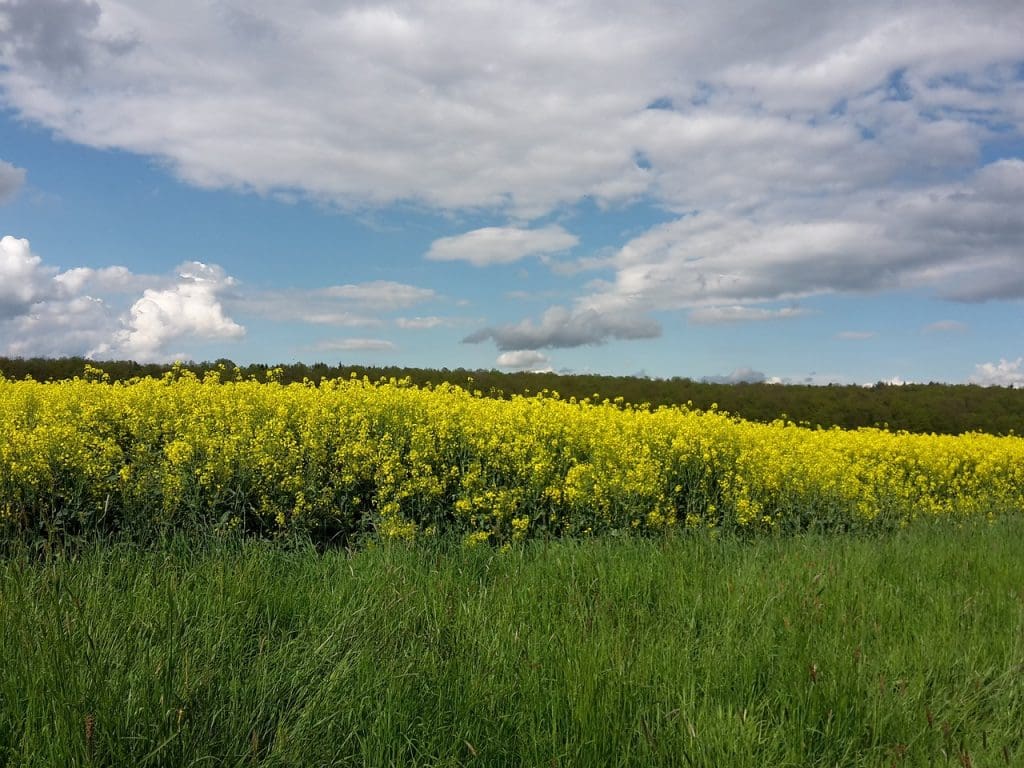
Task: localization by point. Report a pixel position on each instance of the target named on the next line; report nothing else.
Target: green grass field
(905, 649)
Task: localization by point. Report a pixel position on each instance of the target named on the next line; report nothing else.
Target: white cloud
(23, 278)
(190, 309)
(525, 107)
(59, 328)
(961, 240)
(561, 327)
(856, 335)
(419, 323)
(356, 345)
(45, 311)
(1005, 373)
(344, 319)
(52, 35)
(536, 295)
(11, 179)
(501, 245)
(111, 312)
(310, 307)
(524, 360)
(351, 305)
(381, 294)
(737, 313)
(104, 280)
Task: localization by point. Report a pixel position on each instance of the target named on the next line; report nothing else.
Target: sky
(806, 191)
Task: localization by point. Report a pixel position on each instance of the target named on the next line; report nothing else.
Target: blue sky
(795, 192)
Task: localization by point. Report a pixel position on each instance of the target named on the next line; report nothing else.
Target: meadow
(229, 572)
(898, 649)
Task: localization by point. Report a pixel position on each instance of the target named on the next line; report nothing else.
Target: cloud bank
(522, 108)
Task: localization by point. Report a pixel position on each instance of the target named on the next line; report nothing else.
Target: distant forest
(938, 408)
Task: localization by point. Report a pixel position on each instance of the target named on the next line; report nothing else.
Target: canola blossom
(343, 458)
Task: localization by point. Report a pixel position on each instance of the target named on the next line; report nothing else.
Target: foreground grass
(808, 651)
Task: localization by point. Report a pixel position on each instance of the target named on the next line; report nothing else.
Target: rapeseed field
(349, 458)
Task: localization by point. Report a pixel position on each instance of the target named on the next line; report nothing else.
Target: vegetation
(924, 408)
(162, 602)
(903, 650)
(351, 458)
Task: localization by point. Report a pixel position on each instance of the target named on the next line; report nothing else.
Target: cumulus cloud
(112, 312)
(524, 360)
(501, 245)
(11, 179)
(1005, 373)
(57, 328)
(560, 327)
(45, 311)
(738, 313)
(23, 278)
(190, 309)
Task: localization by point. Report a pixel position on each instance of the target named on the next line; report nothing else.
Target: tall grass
(901, 650)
